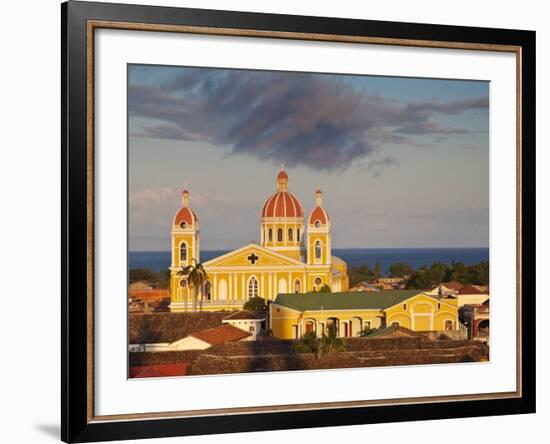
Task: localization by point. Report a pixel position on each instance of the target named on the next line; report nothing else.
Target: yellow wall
(291, 248)
(423, 313)
(325, 248)
(285, 323)
(419, 313)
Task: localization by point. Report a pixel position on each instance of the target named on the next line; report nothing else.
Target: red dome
(319, 214)
(282, 204)
(186, 215)
(282, 175)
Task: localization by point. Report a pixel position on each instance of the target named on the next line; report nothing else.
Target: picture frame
(80, 22)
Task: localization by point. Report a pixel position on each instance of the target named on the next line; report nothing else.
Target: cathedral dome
(282, 175)
(318, 217)
(185, 216)
(282, 203)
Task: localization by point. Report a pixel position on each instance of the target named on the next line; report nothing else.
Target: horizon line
(338, 248)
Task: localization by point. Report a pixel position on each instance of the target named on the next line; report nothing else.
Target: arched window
(298, 235)
(290, 234)
(252, 288)
(317, 223)
(448, 325)
(270, 235)
(183, 252)
(297, 286)
(207, 290)
(280, 235)
(318, 249)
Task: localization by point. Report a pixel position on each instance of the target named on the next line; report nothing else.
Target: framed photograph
(276, 221)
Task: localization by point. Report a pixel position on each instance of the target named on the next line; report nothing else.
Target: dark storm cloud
(452, 107)
(313, 120)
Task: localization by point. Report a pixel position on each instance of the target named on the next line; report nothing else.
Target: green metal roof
(361, 300)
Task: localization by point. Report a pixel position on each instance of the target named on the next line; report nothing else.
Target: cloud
(169, 198)
(378, 165)
(301, 119)
(451, 107)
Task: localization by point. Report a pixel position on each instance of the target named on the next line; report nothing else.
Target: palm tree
(328, 343)
(196, 276)
(310, 343)
(186, 271)
(331, 342)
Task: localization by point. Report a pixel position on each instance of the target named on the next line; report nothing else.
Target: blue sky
(402, 162)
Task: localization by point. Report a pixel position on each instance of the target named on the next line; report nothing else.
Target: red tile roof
(163, 293)
(186, 215)
(452, 285)
(282, 204)
(241, 315)
(159, 370)
(319, 214)
(469, 289)
(219, 335)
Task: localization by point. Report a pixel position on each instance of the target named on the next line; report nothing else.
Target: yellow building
(291, 316)
(294, 256)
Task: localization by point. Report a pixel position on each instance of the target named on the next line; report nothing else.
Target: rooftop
(452, 285)
(469, 289)
(242, 315)
(220, 335)
(169, 327)
(344, 301)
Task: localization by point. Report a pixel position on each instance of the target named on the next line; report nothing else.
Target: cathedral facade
(294, 256)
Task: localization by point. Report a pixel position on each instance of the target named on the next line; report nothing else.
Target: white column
(304, 284)
(236, 293)
(230, 285)
(215, 289)
(262, 292)
(270, 279)
(290, 289)
(244, 293)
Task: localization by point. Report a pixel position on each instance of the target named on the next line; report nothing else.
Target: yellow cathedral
(292, 257)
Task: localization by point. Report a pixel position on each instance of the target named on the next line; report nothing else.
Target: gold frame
(92, 25)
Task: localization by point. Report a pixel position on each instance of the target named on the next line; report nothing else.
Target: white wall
(29, 184)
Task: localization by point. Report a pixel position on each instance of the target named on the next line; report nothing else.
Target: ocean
(354, 257)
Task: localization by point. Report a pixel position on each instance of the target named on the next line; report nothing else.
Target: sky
(402, 162)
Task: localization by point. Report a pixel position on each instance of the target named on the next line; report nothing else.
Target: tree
(160, 278)
(400, 269)
(377, 270)
(359, 274)
(255, 304)
(309, 343)
(330, 341)
(325, 289)
(327, 343)
(366, 331)
(196, 276)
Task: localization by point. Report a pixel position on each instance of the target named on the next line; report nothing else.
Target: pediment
(251, 255)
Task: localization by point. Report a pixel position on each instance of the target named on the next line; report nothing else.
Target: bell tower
(185, 244)
(318, 234)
